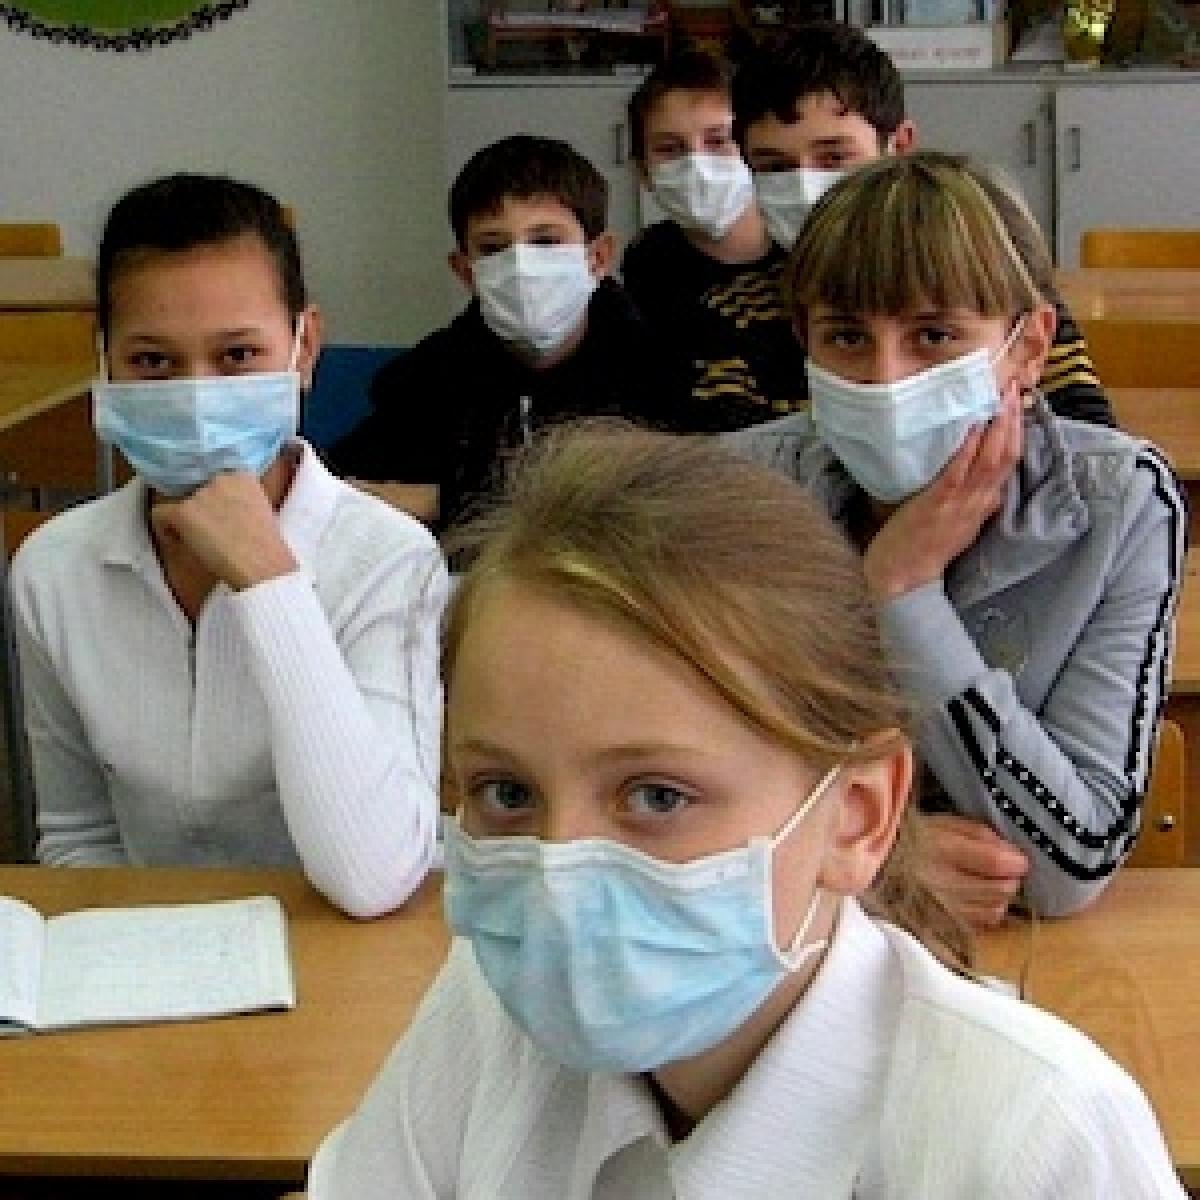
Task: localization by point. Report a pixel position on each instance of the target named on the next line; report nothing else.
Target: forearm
(357, 790)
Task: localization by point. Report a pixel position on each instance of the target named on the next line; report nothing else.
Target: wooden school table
(1183, 701)
(1138, 293)
(53, 283)
(244, 1098)
(46, 435)
(1127, 972)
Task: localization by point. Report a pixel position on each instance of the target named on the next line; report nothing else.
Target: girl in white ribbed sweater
(692, 960)
(233, 658)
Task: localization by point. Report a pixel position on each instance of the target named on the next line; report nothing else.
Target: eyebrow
(632, 750)
(158, 339)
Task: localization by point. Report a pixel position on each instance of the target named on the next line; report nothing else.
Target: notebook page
(169, 962)
(22, 932)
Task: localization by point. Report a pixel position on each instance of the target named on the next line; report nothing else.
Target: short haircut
(921, 230)
(810, 60)
(180, 212)
(687, 71)
(525, 168)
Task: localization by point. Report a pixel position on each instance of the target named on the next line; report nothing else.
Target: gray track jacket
(1040, 662)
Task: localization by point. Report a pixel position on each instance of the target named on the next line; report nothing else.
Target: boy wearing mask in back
(547, 336)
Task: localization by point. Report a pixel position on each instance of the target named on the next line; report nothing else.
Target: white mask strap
(1009, 341)
(822, 787)
(295, 356)
(102, 357)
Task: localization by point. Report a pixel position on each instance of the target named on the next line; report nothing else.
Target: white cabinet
(1085, 152)
(997, 120)
(1126, 154)
(591, 116)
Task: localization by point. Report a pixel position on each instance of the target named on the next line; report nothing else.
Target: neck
(745, 242)
(695, 1086)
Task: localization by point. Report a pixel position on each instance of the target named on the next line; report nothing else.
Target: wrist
(268, 565)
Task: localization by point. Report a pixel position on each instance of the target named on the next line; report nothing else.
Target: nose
(567, 820)
(888, 362)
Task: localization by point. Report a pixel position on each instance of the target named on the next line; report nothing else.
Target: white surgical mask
(787, 197)
(612, 960)
(177, 434)
(893, 438)
(534, 297)
(706, 193)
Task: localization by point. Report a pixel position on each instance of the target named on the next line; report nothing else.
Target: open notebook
(116, 966)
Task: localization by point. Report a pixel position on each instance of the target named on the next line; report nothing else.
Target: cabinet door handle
(1075, 146)
(1029, 128)
(618, 143)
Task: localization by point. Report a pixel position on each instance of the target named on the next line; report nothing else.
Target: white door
(1128, 155)
(592, 117)
(1004, 122)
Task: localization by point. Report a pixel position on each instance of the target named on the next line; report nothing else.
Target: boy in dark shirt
(547, 336)
(809, 107)
(681, 123)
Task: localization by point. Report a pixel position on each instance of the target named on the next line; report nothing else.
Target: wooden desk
(1169, 417)
(46, 434)
(1127, 972)
(247, 1098)
(1093, 293)
(32, 284)
(1183, 702)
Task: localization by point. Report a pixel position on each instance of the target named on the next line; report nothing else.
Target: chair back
(1140, 248)
(1162, 841)
(30, 239)
(16, 525)
(1150, 353)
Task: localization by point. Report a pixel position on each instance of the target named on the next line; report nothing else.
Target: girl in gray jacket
(1026, 566)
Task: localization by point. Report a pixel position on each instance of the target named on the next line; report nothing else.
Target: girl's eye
(503, 798)
(845, 339)
(656, 800)
(546, 239)
(719, 141)
(491, 248)
(150, 362)
(934, 335)
(242, 356)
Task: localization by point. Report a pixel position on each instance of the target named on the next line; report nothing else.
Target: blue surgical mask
(612, 960)
(177, 434)
(894, 438)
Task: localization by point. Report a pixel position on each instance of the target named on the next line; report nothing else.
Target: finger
(982, 859)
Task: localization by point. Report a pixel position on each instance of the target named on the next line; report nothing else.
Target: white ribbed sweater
(892, 1079)
(298, 721)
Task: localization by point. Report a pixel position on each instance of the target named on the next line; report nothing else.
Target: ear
(904, 139)
(1030, 350)
(311, 338)
(460, 265)
(601, 254)
(865, 820)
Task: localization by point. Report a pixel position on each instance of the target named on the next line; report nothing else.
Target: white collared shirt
(298, 721)
(892, 1079)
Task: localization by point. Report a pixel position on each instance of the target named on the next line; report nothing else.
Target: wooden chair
(1140, 248)
(1162, 842)
(1152, 353)
(16, 525)
(30, 239)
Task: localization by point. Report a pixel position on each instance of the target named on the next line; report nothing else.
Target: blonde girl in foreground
(691, 959)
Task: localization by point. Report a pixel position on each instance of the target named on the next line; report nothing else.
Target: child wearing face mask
(692, 960)
(1027, 566)
(233, 658)
(810, 106)
(547, 335)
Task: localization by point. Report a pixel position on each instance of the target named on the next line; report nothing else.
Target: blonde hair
(921, 230)
(682, 543)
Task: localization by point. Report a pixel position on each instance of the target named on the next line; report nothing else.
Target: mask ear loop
(294, 359)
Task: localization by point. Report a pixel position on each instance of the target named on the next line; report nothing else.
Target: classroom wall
(337, 106)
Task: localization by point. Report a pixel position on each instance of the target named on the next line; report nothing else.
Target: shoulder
(650, 245)
(979, 1048)
(364, 529)
(79, 538)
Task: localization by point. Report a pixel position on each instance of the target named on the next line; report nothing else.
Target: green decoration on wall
(115, 24)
